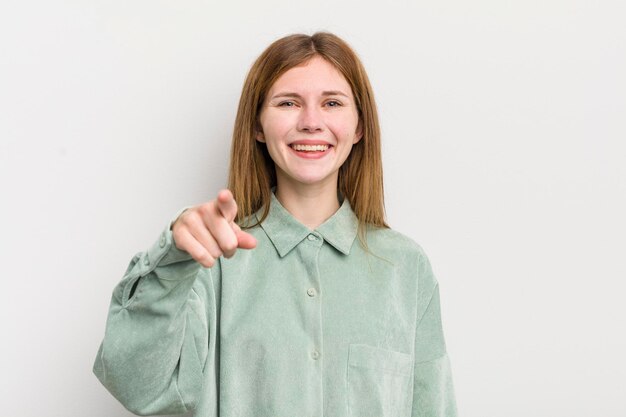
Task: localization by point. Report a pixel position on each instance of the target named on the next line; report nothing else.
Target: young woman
(327, 311)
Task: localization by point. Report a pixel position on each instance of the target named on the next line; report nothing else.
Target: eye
(286, 104)
(333, 103)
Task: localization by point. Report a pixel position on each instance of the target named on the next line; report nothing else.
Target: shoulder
(407, 256)
(391, 241)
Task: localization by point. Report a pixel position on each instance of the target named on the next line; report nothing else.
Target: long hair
(252, 172)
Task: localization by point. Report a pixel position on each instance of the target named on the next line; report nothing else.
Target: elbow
(139, 392)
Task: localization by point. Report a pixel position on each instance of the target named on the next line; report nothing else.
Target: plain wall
(504, 151)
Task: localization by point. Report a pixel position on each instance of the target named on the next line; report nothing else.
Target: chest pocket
(378, 382)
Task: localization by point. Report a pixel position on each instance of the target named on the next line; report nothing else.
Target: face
(309, 122)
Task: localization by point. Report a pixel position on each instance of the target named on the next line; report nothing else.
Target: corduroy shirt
(307, 324)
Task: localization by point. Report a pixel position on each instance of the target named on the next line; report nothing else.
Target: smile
(309, 148)
(310, 151)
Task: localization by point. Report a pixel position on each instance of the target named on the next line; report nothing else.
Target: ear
(358, 134)
(259, 135)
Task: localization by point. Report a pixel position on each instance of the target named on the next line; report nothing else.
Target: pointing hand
(208, 230)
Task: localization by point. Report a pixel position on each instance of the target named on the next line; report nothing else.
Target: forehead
(317, 74)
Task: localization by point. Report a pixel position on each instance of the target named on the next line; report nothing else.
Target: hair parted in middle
(252, 172)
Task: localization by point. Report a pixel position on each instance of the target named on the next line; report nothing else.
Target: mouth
(298, 147)
(310, 150)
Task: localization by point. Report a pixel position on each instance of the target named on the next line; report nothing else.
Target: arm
(157, 340)
(433, 391)
(160, 340)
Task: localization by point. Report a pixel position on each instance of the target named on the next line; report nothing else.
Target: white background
(504, 128)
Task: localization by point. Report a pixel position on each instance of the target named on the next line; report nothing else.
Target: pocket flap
(382, 359)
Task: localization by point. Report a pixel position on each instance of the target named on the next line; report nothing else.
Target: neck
(311, 205)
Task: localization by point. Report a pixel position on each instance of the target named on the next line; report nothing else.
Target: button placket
(310, 250)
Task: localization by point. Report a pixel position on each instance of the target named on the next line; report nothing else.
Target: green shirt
(307, 324)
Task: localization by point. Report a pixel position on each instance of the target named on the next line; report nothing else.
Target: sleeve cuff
(163, 252)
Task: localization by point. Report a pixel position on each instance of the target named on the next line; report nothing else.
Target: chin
(308, 176)
(310, 179)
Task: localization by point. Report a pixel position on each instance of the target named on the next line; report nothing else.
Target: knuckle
(179, 239)
(229, 245)
(230, 253)
(198, 255)
(177, 226)
(215, 253)
(207, 261)
(202, 208)
(186, 219)
(205, 209)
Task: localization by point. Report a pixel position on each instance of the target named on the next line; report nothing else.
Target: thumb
(244, 240)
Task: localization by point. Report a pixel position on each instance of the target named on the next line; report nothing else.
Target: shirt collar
(286, 232)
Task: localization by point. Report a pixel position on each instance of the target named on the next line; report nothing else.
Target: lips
(310, 145)
(310, 149)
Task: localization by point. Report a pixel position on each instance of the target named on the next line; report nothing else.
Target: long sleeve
(433, 391)
(160, 332)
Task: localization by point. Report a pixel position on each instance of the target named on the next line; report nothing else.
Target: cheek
(276, 125)
(346, 130)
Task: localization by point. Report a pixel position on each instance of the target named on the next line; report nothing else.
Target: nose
(310, 120)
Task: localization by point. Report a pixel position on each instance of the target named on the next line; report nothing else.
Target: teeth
(309, 148)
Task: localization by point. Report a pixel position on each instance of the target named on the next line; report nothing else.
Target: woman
(328, 312)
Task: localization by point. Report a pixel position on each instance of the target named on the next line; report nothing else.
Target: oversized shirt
(307, 324)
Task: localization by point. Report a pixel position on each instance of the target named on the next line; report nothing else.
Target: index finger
(226, 205)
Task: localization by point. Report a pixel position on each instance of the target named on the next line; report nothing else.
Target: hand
(208, 231)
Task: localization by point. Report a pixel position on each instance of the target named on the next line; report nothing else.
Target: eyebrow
(296, 95)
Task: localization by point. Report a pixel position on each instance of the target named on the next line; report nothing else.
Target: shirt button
(162, 241)
(311, 292)
(315, 355)
(312, 237)
(146, 261)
